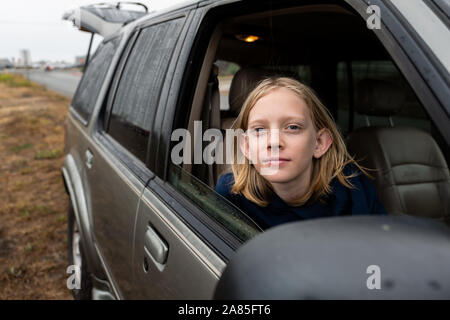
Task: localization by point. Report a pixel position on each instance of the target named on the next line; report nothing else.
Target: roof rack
(104, 18)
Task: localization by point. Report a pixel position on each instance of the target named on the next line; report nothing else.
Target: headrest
(244, 81)
(378, 97)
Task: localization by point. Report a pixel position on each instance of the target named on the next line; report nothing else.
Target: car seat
(411, 176)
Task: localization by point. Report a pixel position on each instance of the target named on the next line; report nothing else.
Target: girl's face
(281, 140)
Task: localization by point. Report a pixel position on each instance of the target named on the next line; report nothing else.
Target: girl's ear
(243, 144)
(323, 142)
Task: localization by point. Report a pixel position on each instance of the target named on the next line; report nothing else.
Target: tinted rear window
(92, 80)
(140, 84)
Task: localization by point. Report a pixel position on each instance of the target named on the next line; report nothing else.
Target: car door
(116, 175)
(185, 232)
(146, 75)
(159, 251)
(412, 32)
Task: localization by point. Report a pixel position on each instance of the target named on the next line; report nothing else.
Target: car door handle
(89, 158)
(155, 247)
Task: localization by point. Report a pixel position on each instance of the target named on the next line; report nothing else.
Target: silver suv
(144, 226)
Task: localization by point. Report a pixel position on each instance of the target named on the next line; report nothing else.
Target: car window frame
(218, 238)
(86, 121)
(99, 135)
(222, 244)
(140, 168)
(202, 30)
(187, 65)
(117, 75)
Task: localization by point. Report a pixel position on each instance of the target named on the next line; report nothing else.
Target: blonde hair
(255, 187)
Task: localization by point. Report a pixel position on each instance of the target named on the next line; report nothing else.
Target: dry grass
(33, 203)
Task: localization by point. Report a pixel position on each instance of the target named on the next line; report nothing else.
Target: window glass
(94, 75)
(213, 204)
(411, 112)
(137, 94)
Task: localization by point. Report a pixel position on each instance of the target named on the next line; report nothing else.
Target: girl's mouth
(275, 161)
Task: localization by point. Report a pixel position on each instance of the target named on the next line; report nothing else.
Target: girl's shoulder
(351, 168)
(360, 183)
(359, 179)
(363, 194)
(224, 184)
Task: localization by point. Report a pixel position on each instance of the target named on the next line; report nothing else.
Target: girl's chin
(275, 175)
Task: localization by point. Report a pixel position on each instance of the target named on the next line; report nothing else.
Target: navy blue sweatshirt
(361, 200)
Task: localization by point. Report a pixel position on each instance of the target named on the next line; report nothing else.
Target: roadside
(33, 203)
(62, 81)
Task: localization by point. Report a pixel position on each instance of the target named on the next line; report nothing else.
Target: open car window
(327, 47)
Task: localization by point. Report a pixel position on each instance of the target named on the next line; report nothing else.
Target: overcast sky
(37, 25)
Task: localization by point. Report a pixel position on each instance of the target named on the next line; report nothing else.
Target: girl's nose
(274, 139)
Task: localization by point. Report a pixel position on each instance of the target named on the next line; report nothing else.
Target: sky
(37, 25)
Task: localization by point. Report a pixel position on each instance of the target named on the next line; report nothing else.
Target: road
(65, 82)
(62, 82)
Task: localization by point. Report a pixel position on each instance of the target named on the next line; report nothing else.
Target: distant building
(5, 63)
(26, 57)
(79, 60)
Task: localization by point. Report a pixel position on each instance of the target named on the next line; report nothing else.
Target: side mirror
(355, 257)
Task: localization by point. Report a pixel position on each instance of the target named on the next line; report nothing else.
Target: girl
(296, 165)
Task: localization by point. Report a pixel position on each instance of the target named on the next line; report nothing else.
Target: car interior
(330, 48)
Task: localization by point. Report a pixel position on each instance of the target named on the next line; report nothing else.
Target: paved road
(63, 82)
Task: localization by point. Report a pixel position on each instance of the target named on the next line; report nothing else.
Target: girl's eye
(293, 127)
(257, 131)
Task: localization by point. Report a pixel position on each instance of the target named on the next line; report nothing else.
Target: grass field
(33, 203)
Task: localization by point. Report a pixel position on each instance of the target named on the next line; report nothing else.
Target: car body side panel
(191, 269)
(114, 192)
(106, 196)
(116, 208)
(73, 176)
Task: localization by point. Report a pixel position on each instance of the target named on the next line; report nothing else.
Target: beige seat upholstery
(412, 175)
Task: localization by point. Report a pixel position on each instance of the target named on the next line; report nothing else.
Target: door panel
(115, 192)
(177, 264)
